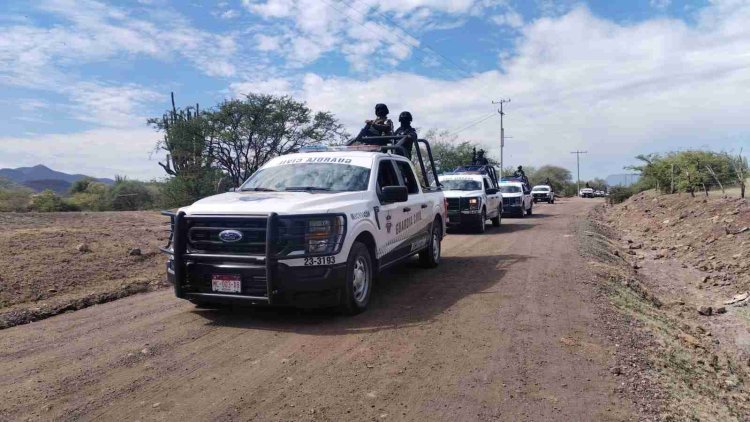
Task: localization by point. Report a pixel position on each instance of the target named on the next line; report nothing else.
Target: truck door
(417, 211)
(389, 214)
(493, 201)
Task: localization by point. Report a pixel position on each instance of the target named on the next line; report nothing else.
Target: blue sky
(78, 78)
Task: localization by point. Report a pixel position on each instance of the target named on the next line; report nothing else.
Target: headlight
(319, 235)
(473, 203)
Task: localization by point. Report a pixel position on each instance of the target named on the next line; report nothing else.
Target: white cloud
(363, 31)
(111, 106)
(660, 4)
(510, 18)
(581, 82)
(98, 152)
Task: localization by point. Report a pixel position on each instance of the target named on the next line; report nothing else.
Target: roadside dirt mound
(675, 263)
(711, 234)
(55, 262)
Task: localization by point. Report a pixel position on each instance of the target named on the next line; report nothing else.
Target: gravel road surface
(505, 329)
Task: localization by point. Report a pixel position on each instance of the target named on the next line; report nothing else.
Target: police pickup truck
(517, 198)
(473, 197)
(543, 193)
(309, 229)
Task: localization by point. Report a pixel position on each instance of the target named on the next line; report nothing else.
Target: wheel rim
(435, 247)
(361, 279)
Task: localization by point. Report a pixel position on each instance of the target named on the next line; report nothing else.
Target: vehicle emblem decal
(230, 236)
(388, 223)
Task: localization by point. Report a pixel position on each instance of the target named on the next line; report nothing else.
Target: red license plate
(226, 283)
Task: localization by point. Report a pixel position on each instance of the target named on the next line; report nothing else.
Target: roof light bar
(323, 148)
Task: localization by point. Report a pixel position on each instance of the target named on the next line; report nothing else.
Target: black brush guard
(265, 264)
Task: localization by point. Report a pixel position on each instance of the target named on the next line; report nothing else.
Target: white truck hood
(462, 193)
(279, 202)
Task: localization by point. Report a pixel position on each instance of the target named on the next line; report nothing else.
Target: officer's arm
(387, 126)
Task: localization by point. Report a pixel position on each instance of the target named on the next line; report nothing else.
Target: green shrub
(618, 194)
(48, 201)
(15, 200)
(130, 195)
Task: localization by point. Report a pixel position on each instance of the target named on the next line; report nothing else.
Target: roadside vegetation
(692, 172)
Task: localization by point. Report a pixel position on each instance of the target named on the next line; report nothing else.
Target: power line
(471, 125)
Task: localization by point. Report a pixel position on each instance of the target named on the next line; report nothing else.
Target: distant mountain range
(39, 178)
(622, 179)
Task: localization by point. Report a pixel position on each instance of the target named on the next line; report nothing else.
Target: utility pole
(578, 165)
(502, 131)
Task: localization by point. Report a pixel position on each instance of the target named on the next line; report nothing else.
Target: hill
(42, 177)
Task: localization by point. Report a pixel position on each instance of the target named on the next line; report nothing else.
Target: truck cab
(473, 197)
(309, 229)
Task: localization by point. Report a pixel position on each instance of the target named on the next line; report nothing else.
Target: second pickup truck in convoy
(473, 197)
(516, 196)
(308, 229)
(543, 193)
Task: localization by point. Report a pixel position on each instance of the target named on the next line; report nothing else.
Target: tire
(359, 277)
(481, 227)
(430, 257)
(528, 212)
(549, 201)
(496, 221)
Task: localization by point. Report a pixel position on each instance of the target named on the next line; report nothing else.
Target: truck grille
(453, 204)
(203, 235)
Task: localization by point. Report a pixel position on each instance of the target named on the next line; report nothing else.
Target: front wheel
(481, 223)
(430, 257)
(531, 207)
(359, 275)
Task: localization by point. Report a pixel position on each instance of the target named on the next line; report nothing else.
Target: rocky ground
(56, 262)
(680, 267)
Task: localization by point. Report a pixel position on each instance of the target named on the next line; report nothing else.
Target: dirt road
(504, 329)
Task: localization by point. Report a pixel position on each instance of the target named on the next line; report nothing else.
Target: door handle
(424, 205)
(407, 209)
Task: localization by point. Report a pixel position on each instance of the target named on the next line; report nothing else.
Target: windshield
(540, 189)
(310, 177)
(461, 184)
(510, 189)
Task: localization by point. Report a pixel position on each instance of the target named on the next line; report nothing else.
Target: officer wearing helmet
(379, 126)
(405, 129)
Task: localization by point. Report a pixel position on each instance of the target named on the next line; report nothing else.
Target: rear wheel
(359, 276)
(496, 220)
(430, 257)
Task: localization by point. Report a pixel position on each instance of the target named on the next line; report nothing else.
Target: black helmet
(480, 152)
(404, 117)
(520, 168)
(381, 110)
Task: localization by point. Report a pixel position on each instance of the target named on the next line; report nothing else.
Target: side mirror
(395, 194)
(491, 191)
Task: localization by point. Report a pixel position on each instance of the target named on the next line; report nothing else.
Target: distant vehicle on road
(586, 193)
(543, 193)
(517, 198)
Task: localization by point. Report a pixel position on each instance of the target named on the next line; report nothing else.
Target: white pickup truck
(517, 199)
(586, 193)
(307, 229)
(473, 197)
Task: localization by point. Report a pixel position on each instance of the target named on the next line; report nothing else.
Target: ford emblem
(230, 236)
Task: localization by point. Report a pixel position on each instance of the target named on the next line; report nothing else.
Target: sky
(615, 78)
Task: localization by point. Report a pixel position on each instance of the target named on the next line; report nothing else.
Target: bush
(130, 195)
(15, 200)
(182, 190)
(619, 194)
(48, 201)
(90, 196)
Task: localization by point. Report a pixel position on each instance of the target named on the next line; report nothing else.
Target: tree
(559, 177)
(245, 134)
(88, 194)
(739, 170)
(48, 201)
